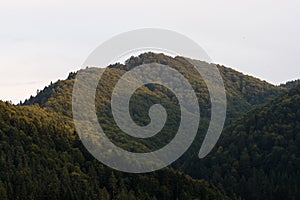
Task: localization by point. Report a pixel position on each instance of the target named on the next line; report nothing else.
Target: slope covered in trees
(42, 158)
(238, 163)
(258, 156)
(243, 91)
(291, 84)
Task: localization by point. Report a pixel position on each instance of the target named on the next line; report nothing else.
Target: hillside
(291, 84)
(42, 158)
(243, 91)
(241, 161)
(258, 156)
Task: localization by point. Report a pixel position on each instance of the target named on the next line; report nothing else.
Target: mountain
(39, 144)
(243, 91)
(291, 84)
(258, 156)
(42, 158)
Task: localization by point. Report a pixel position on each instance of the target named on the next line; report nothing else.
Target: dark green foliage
(42, 158)
(3, 192)
(242, 91)
(291, 84)
(56, 97)
(258, 156)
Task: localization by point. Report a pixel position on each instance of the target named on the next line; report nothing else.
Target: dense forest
(42, 158)
(257, 156)
(291, 84)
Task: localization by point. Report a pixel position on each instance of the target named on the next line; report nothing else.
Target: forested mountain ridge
(258, 156)
(291, 84)
(38, 141)
(242, 91)
(42, 158)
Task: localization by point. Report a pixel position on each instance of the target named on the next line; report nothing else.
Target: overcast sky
(42, 41)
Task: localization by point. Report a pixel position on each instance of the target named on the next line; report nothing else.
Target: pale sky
(42, 41)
